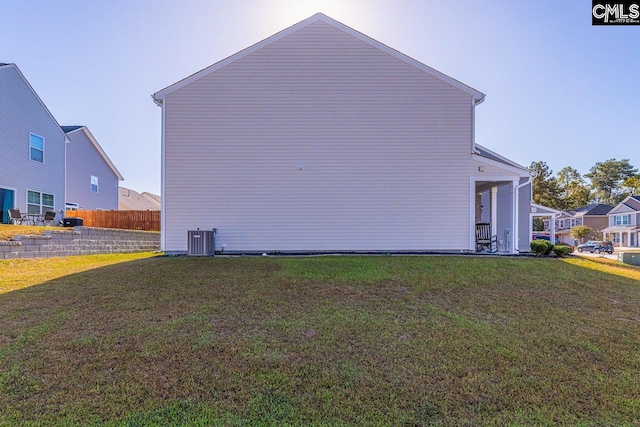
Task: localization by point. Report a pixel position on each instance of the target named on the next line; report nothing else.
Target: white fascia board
(547, 210)
(100, 150)
(621, 208)
(523, 173)
(66, 139)
(475, 94)
(504, 159)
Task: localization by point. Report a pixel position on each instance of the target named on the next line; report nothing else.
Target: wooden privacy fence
(126, 220)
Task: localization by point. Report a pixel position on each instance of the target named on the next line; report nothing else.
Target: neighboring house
(32, 163)
(624, 223)
(92, 178)
(321, 139)
(132, 200)
(593, 216)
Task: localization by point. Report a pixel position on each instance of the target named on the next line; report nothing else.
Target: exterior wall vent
(201, 242)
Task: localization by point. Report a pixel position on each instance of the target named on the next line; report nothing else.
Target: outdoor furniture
(49, 217)
(33, 219)
(484, 239)
(17, 217)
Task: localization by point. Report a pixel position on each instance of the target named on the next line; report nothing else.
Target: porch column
(494, 210)
(552, 229)
(514, 217)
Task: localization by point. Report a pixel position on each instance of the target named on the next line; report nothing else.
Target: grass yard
(7, 231)
(138, 340)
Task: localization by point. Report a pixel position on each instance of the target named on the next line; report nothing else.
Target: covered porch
(502, 206)
(539, 211)
(622, 235)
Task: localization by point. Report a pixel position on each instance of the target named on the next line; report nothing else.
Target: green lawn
(8, 231)
(139, 340)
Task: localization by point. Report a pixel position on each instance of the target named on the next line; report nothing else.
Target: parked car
(596, 246)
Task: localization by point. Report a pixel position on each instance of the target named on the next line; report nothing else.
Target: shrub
(541, 247)
(562, 250)
(549, 248)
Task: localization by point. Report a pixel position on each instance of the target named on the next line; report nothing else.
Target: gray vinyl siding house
(32, 164)
(624, 223)
(321, 139)
(92, 179)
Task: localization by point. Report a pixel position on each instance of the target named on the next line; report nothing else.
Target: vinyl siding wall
(596, 223)
(21, 113)
(384, 148)
(83, 161)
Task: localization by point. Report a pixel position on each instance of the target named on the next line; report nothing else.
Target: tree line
(607, 182)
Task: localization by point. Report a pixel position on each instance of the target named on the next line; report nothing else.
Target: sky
(558, 89)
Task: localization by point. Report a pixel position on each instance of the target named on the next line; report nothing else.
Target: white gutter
(516, 224)
(474, 102)
(163, 197)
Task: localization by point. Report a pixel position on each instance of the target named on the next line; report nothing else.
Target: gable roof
(7, 65)
(68, 129)
(132, 200)
(629, 204)
(592, 209)
(476, 95)
(633, 202)
(73, 129)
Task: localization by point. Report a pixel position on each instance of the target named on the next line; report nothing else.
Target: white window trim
(70, 206)
(621, 218)
(53, 208)
(97, 184)
(43, 142)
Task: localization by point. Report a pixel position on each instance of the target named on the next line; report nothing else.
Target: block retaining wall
(80, 241)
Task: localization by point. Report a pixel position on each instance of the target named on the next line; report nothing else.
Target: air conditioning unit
(201, 242)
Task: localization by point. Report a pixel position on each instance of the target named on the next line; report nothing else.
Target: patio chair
(49, 218)
(17, 217)
(484, 239)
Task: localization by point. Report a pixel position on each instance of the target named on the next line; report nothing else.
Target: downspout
(516, 196)
(474, 102)
(161, 102)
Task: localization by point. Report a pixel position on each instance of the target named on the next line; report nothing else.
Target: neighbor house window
(36, 148)
(561, 223)
(573, 222)
(94, 184)
(71, 206)
(622, 220)
(39, 203)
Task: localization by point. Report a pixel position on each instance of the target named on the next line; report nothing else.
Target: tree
(573, 190)
(631, 186)
(579, 232)
(607, 178)
(544, 185)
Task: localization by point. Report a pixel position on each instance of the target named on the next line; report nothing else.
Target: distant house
(32, 163)
(92, 178)
(132, 200)
(624, 223)
(321, 139)
(593, 216)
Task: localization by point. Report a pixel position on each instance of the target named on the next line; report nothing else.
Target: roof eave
(475, 94)
(66, 139)
(98, 147)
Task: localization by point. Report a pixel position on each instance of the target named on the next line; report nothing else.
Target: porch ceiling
(486, 185)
